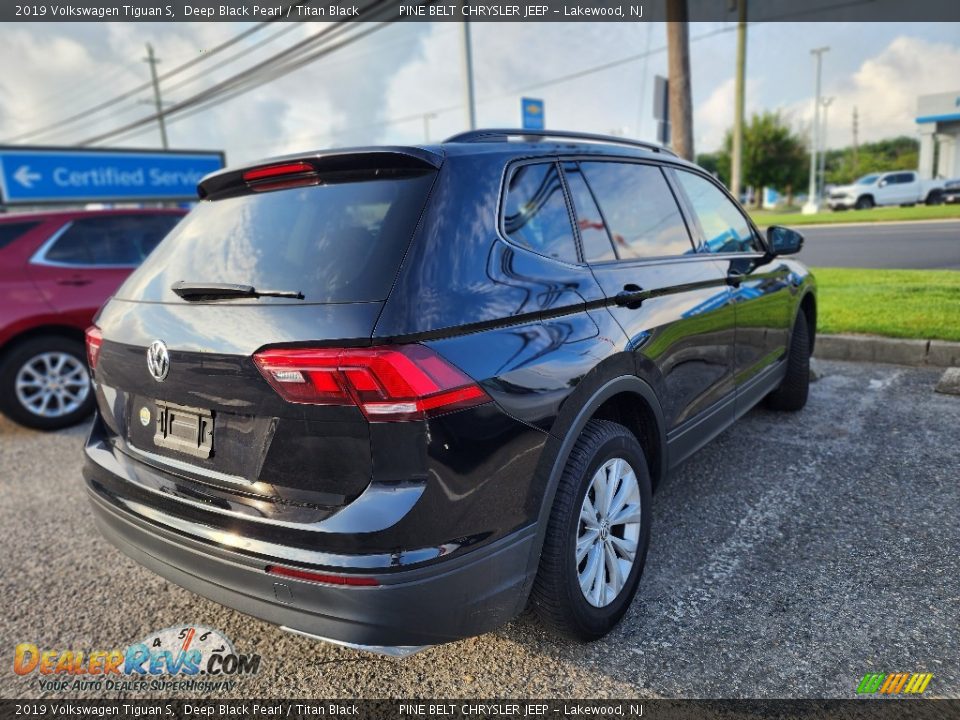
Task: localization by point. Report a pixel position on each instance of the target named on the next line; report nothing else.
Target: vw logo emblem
(158, 360)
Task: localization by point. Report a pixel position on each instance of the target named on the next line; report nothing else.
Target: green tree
(773, 156)
(717, 164)
(899, 153)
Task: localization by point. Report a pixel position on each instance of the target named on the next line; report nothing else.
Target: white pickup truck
(902, 187)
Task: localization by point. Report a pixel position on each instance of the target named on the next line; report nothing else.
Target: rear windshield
(341, 241)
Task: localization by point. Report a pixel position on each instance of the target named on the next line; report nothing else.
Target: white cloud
(713, 117)
(406, 70)
(884, 89)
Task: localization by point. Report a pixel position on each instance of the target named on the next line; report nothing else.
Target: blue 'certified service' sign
(32, 175)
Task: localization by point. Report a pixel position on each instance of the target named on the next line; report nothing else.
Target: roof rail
(504, 134)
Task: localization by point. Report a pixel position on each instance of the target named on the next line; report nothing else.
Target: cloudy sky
(378, 89)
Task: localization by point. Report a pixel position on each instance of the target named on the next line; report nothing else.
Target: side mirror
(883, 183)
(784, 241)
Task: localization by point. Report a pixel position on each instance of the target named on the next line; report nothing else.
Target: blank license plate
(186, 429)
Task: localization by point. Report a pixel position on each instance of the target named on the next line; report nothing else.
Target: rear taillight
(403, 382)
(94, 341)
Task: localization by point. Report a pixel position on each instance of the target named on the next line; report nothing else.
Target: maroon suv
(56, 270)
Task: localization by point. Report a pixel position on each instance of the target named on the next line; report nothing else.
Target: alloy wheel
(609, 532)
(52, 384)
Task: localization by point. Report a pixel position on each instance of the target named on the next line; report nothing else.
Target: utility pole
(736, 160)
(812, 206)
(158, 102)
(678, 69)
(856, 146)
(468, 72)
(823, 152)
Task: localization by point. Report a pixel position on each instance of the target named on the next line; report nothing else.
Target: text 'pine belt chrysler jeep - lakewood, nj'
(389, 397)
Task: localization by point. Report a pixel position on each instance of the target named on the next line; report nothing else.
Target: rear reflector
(352, 580)
(402, 382)
(272, 172)
(94, 341)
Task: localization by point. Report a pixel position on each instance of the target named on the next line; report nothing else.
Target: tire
(864, 203)
(935, 197)
(28, 365)
(795, 387)
(557, 599)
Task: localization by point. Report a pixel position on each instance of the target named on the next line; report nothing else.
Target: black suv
(389, 396)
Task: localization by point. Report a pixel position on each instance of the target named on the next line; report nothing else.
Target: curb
(896, 351)
(876, 223)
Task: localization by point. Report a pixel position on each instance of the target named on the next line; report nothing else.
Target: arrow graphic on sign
(25, 177)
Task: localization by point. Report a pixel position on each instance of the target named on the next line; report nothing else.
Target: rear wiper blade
(222, 291)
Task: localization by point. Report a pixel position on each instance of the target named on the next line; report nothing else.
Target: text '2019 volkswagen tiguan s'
(391, 396)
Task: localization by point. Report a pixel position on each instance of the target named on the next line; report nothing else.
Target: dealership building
(938, 119)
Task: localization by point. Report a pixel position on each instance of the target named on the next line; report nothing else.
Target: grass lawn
(922, 304)
(763, 218)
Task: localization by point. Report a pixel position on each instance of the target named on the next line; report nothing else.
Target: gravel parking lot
(792, 555)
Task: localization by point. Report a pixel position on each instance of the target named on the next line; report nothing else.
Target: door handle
(630, 297)
(76, 282)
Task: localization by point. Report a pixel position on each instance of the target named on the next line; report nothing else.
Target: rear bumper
(445, 601)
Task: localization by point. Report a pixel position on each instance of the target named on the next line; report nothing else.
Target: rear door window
(725, 227)
(594, 238)
(535, 212)
(641, 213)
(339, 241)
(110, 240)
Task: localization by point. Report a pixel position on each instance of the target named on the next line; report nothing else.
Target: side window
(11, 231)
(114, 240)
(535, 212)
(640, 210)
(594, 237)
(725, 229)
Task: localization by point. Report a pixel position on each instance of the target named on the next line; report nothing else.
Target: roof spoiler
(313, 164)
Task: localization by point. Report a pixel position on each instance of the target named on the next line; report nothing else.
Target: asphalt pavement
(907, 245)
(792, 555)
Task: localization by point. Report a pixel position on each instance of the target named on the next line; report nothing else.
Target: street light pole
(812, 206)
(427, 117)
(152, 60)
(468, 72)
(823, 152)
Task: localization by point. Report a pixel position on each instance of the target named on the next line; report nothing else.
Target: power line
(515, 91)
(138, 127)
(241, 83)
(599, 68)
(68, 94)
(144, 86)
(225, 90)
(228, 60)
(261, 73)
(85, 122)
